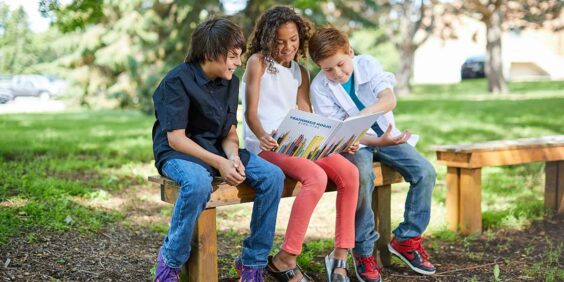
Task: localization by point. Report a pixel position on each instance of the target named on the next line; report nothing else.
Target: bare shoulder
(256, 62)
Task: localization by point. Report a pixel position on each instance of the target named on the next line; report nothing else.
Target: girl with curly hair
(274, 83)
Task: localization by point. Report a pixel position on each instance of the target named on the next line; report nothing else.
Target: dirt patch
(122, 253)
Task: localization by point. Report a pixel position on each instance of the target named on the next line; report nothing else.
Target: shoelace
(415, 245)
(369, 263)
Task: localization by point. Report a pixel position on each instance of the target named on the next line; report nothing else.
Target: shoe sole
(328, 267)
(358, 275)
(418, 270)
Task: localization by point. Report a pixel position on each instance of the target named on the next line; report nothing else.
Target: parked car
(31, 85)
(473, 67)
(5, 95)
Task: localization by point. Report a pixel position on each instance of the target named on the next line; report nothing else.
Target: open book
(310, 136)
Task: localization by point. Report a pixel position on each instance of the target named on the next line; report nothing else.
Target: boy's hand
(230, 172)
(268, 143)
(353, 148)
(388, 140)
(238, 164)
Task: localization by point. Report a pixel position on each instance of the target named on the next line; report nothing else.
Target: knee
(197, 186)
(316, 181)
(429, 173)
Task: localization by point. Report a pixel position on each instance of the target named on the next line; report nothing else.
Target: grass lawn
(53, 165)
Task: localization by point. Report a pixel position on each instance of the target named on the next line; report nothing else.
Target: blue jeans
(416, 170)
(195, 189)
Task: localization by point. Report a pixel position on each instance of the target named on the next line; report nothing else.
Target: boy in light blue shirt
(349, 85)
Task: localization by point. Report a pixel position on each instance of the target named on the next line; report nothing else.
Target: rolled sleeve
(379, 78)
(175, 104)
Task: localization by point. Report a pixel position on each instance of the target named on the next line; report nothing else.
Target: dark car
(473, 67)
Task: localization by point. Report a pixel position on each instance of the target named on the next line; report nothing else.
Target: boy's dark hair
(213, 39)
(263, 38)
(326, 42)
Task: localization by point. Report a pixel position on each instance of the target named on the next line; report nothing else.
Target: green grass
(49, 162)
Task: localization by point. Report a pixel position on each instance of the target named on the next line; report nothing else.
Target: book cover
(310, 136)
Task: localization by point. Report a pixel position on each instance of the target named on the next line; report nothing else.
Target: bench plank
(225, 194)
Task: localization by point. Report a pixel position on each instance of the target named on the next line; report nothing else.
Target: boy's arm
(304, 103)
(255, 69)
(230, 145)
(387, 102)
(178, 141)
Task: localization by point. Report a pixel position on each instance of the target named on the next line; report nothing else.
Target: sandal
(286, 275)
(331, 263)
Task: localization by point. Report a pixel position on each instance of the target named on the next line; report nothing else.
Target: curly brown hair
(263, 39)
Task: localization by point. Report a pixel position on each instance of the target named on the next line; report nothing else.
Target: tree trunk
(405, 72)
(494, 63)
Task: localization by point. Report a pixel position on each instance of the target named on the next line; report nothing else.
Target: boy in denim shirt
(349, 85)
(195, 139)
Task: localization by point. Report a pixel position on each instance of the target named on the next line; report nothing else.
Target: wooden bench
(464, 163)
(202, 265)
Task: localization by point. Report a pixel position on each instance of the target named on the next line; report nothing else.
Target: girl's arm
(304, 103)
(256, 67)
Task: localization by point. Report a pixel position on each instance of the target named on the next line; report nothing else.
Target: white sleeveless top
(278, 95)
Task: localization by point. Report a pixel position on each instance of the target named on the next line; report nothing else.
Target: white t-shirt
(278, 95)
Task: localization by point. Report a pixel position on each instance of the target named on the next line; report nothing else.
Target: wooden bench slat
(225, 194)
(501, 145)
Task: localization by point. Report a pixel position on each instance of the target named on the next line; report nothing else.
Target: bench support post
(464, 197)
(554, 187)
(202, 265)
(381, 205)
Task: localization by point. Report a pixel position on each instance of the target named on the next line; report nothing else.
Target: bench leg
(381, 205)
(202, 265)
(554, 186)
(464, 200)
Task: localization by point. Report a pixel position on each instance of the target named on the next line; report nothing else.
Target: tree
(15, 41)
(407, 24)
(518, 14)
(128, 46)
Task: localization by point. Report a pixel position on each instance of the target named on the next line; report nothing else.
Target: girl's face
(287, 43)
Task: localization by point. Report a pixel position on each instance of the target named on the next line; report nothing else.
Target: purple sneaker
(165, 273)
(248, 274)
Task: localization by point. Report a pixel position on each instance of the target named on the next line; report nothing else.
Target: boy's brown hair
(326, 42)
(213, 39)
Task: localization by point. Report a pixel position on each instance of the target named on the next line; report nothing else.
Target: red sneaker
(413, 254)
(366, 269)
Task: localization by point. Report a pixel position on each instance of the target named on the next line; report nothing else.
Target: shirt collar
(202, 79)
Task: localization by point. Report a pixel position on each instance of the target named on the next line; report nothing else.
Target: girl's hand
(353, 148)
(267, 143)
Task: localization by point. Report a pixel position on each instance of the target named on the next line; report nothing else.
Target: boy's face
(338, 67)
(225, 68)
(287, 43)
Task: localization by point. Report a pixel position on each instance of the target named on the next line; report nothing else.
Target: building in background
(529, 54)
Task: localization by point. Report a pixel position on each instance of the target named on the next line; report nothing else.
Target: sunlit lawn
(47, 161)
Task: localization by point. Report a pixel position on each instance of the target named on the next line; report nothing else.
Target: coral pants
(314, 176)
